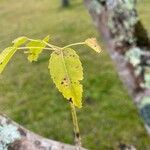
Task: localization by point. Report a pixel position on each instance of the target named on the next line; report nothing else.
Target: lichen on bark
(8, 134)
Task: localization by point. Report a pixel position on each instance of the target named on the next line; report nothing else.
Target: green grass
(28, 95)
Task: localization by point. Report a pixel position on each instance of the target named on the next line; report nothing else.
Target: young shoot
(64, 64)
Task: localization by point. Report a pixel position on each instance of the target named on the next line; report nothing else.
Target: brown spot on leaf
(57, 52)
(70, 100)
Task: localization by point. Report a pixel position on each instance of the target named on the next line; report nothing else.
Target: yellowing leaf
(36, 47)
(66, 72)
(5, 56)
(92, 42)
(19, 41)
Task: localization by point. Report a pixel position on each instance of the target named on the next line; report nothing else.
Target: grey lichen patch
(8, 134)
(145, 109)
(121, 23)
(139, 58)
(122, 20)
(147, 77)
(95, 5)
(134, 55)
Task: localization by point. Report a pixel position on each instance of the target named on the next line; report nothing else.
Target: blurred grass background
(28, 95)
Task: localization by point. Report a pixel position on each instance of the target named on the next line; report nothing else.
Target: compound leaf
(5, 56)
(92, 43)
(66, 72)
(36, 48)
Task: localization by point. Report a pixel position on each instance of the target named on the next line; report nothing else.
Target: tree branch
(15, 137)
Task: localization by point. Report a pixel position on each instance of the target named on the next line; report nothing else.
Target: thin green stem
(35, 48)
(76, 127)
(54, 47)
(50, 45)
(74, 44)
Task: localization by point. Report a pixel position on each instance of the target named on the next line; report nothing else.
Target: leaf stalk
(74, 44)
(76, 127)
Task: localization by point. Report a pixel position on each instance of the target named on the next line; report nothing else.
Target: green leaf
(92, 43)
(38, 46)
(5, 56)
(66, 72)
(20, 41)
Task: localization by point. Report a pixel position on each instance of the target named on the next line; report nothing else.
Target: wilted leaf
(38, 46)
(66, 72)
(19, 41)
(5, 56)
(92, 42)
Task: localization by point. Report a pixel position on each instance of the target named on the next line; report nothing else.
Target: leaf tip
(47, 38)
(92, 43)
(19, 41)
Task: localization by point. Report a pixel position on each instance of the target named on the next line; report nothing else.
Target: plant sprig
(64, 65)
(62, 58)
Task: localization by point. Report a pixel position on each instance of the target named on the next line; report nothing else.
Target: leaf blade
(20, 41)
(35, 52)
(67, 72)
(5, 56)
(92, 43)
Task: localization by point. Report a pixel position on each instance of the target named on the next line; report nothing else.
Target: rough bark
(15, 137)
(133, 37)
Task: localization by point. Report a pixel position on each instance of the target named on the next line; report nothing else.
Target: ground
(28, 95)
